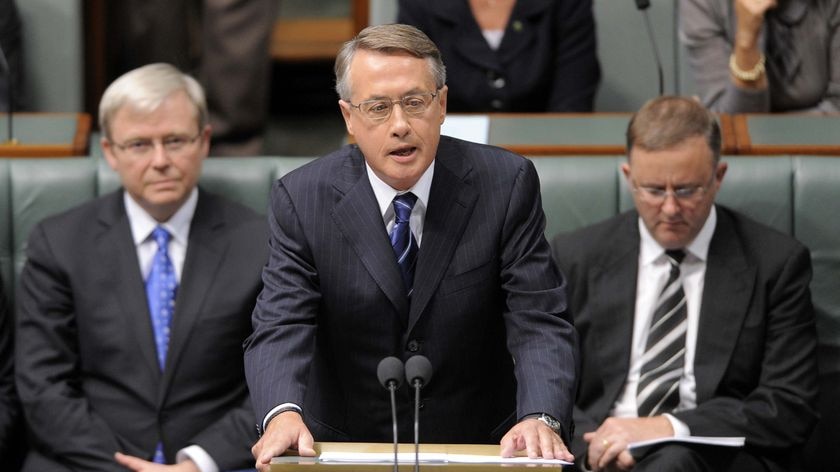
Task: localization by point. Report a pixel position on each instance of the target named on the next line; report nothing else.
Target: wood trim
(742, 134)
(361, 15)
(76, 146)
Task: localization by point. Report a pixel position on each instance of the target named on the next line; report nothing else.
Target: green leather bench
(798, 195)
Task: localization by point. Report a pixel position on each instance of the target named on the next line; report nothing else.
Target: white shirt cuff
(681, 429)
(199, 456)
(277, 409)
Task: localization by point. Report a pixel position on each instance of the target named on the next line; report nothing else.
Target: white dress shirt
(652, 275)
(142, 224)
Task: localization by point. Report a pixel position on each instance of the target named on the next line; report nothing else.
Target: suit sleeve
(540, 334)
(780, 411)
(47, 366)
(228, 441)
(281, 348)
(576, 69)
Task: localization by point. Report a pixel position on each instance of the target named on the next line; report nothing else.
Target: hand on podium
(536, 439)
(284, 431)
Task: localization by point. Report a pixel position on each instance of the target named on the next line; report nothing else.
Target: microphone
(418, 373)
(643, 5)
(390, 372)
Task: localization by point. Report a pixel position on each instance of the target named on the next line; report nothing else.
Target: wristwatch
(549, 421)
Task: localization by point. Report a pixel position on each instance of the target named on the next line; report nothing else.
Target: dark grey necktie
(664, 357)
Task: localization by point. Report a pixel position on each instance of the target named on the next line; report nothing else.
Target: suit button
(413, 345)
(498, 83)
(496, 104)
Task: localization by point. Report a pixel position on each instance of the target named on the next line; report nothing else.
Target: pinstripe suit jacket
(488, 308)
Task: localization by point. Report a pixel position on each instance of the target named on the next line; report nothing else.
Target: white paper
(475, 128)
(428, 458)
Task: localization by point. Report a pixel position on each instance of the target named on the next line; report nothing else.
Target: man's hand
(137, 464)
(537, 439)
(284, 431)
(608, 444)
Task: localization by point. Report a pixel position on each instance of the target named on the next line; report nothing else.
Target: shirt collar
(385, 193)
(650, 250)
(142, 224)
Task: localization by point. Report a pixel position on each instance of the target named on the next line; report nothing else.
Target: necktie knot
(161, 237)
(675, 256)
(403, 204)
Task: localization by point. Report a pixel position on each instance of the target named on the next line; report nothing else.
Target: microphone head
(390, 370)
(418, 368)
(642, 4)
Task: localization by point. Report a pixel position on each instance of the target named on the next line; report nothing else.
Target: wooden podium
(45, 135)
(292, 463)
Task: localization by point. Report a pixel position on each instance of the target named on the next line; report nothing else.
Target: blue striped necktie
(402, 239)
(664, 357)
(161, 287)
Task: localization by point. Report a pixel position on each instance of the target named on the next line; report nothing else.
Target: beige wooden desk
(294, 463)
(45, 135)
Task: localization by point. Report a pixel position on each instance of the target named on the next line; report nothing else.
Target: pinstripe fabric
(664, 357)
(485, 294)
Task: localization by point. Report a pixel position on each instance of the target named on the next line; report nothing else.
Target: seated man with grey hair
(133, 307)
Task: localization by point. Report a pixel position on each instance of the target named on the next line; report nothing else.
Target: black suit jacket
(86, 365)
(12, 444)
(488, 307)
(546, 62)
(755, 362)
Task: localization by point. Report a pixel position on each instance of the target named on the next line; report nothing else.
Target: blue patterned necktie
(662, 363)
(161, 286)
(402, 239)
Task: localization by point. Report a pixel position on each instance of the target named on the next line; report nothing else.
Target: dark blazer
(488, 307)
(86, 365)
(12, 444)
(546, 62)
(755, 362)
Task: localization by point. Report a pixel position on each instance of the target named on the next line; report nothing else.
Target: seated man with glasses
(133, 307)
(409, 243)
(694, 319)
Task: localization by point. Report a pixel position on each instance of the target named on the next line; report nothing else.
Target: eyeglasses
(379, 110)
(686, 194)
(173, 144)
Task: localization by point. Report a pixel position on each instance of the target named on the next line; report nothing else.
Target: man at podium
(409, 243)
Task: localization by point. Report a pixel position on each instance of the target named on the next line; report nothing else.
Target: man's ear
(108, 152)
(345, 113)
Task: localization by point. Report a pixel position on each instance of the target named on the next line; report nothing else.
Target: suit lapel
(357, 216)
(205, 252)
(118, 253)
(451, 202)
(728, 287)
(613, 282)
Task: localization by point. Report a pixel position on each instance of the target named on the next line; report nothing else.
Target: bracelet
(747, 75)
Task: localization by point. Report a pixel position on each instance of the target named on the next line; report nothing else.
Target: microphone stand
(11, 96)
(643, 5)
(392, 387)
(417, 385)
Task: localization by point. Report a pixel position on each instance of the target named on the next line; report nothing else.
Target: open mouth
(403, 151)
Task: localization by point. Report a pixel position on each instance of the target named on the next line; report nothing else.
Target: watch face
(550, 422)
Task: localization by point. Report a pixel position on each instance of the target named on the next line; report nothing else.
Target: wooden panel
(47, 135)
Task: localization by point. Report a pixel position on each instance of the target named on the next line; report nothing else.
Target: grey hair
(145, 88)
(388, 39)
